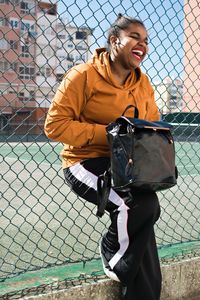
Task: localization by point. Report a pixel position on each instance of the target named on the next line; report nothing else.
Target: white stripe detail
(109, 273)
(123, 237)
(81, 174)
(90, 180)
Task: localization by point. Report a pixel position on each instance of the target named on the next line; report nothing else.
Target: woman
(91, 96)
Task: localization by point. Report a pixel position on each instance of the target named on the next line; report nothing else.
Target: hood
(101, 62)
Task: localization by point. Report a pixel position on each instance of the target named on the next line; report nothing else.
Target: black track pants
(129, 245)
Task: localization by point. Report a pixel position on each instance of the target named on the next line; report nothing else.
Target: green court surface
(187, 154)
(188, 158)
(44, 224)
(38, 152)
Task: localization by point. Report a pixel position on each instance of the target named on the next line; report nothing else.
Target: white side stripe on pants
(88, 178)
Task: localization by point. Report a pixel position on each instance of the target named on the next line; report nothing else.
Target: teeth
(138, 52)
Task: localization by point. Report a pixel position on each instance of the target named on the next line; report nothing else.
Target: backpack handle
(136, 112)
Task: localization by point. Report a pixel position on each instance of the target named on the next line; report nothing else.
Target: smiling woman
(128, 41)
(91, 96)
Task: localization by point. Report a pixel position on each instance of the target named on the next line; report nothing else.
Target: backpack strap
(103, 191)
(136, 112)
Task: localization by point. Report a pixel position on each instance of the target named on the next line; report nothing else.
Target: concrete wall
(181, 281)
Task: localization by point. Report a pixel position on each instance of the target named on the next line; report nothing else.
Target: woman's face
(131, 47)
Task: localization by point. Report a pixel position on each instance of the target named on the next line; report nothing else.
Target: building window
(13, 66)
(25, 50)
(24, 7)
(14, 2)
(70, 57)
(4, 1)
(4, 44)
(14, 23)
(70, 38)
(3, 122)
(59, 77)
(4, 66)
(80, 57)
(26, 72)
(22, 97)
(21, 94)
(27, 26)
(61, 36)
(81, 47)
(13, 44)
(81, 35)
(70, 45)
(45, 71)
(4, 21)
(32, 95)
(25, 96)
(27, 7)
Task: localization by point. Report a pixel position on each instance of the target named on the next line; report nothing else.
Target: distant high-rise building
(169, 95)
(191, 80)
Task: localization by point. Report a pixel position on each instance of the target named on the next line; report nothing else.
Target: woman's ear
(113, 41)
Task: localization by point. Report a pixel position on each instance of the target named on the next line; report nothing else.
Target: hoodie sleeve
(63, 118)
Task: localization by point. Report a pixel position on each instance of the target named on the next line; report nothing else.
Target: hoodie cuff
(100, 137)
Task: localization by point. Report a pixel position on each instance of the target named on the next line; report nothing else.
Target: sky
(162, 18)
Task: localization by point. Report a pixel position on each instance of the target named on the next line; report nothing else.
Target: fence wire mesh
(42, 222)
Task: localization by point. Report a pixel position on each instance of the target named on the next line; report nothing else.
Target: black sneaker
(107, 269)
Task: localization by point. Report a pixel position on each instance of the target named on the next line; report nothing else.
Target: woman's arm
(63, 118)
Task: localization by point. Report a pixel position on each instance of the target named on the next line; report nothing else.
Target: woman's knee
(147, 203)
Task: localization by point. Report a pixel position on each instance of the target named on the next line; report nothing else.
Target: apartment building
(46, 57)
(17, 63)
(72, 47)
(191, 92)
(36, 50)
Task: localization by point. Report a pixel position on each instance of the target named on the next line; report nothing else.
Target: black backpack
(142, 157)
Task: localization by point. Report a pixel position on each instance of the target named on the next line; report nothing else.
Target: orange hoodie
(87, 100)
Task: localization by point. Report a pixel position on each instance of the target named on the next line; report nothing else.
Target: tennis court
(44, 224)
(187, 159)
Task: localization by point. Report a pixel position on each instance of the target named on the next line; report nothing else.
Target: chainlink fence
(43, 223)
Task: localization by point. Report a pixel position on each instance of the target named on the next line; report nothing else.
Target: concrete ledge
(102, 290)
(181, 281)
